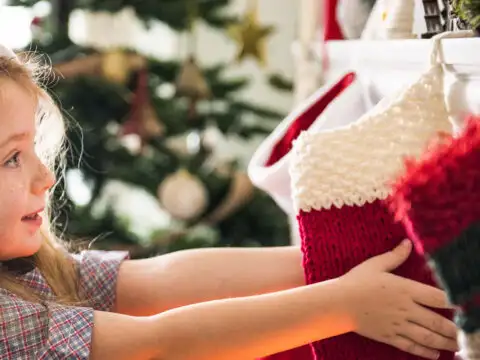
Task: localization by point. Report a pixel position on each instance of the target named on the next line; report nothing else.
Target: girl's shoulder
(97, 278)
(48, 330)
(43, 330)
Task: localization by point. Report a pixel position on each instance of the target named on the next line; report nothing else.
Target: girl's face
(24, 180)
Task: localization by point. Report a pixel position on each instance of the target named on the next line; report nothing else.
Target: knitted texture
(319, 110)
(354, 164)
(303, 121)
(336, 240)
(340, 101)
(437, 201)
(438, 196)
(340, 179)
(456, 264)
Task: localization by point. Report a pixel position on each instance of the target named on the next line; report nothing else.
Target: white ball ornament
(183, 195)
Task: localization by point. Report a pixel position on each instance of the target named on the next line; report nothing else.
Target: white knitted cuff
(354, 164)
(346, 108)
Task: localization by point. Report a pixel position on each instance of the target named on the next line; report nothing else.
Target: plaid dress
(32, 331)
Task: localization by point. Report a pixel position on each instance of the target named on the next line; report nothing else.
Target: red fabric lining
(307, 118)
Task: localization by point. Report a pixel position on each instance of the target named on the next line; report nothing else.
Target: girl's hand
(390, 309)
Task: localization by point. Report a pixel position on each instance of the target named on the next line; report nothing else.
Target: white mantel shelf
(387, 66)
(464, 52)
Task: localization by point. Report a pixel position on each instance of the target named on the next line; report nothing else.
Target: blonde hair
(52, 259)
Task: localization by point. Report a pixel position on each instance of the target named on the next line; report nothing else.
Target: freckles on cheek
(12, 197)
(6, 223)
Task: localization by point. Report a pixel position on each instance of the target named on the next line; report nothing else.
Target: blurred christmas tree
(128, 130)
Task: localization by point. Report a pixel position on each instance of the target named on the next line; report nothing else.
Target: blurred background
(165, 100)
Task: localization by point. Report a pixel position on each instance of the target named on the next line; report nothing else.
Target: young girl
(197, 304)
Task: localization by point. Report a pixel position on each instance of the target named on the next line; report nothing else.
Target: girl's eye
(14, 161)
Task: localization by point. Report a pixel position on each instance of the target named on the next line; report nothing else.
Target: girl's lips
(34, 213)
(33, 219)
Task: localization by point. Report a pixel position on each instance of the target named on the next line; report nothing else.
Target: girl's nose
(43, 181)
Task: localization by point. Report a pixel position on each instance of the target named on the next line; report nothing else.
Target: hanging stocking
(340, 178)
(338, 103)
(331, 27)
(437, 200)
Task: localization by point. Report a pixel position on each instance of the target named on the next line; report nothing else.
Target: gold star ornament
(250, 37)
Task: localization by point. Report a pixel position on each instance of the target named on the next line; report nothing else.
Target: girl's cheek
(12, 194)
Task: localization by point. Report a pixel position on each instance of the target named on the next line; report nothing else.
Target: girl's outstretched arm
(150, 286)
(240, 328)
(368, 300)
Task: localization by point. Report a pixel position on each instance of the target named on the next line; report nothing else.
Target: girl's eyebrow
(13, 137)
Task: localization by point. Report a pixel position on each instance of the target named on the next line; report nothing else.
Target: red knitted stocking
(438, 200)
(337, 239)
(283, 146)
(340, 179)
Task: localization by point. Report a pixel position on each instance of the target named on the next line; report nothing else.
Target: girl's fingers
(427, 338)
(413, 348)
(427, 295)
(432, 321)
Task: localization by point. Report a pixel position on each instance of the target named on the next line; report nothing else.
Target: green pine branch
(469, 11)
(281, 83)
